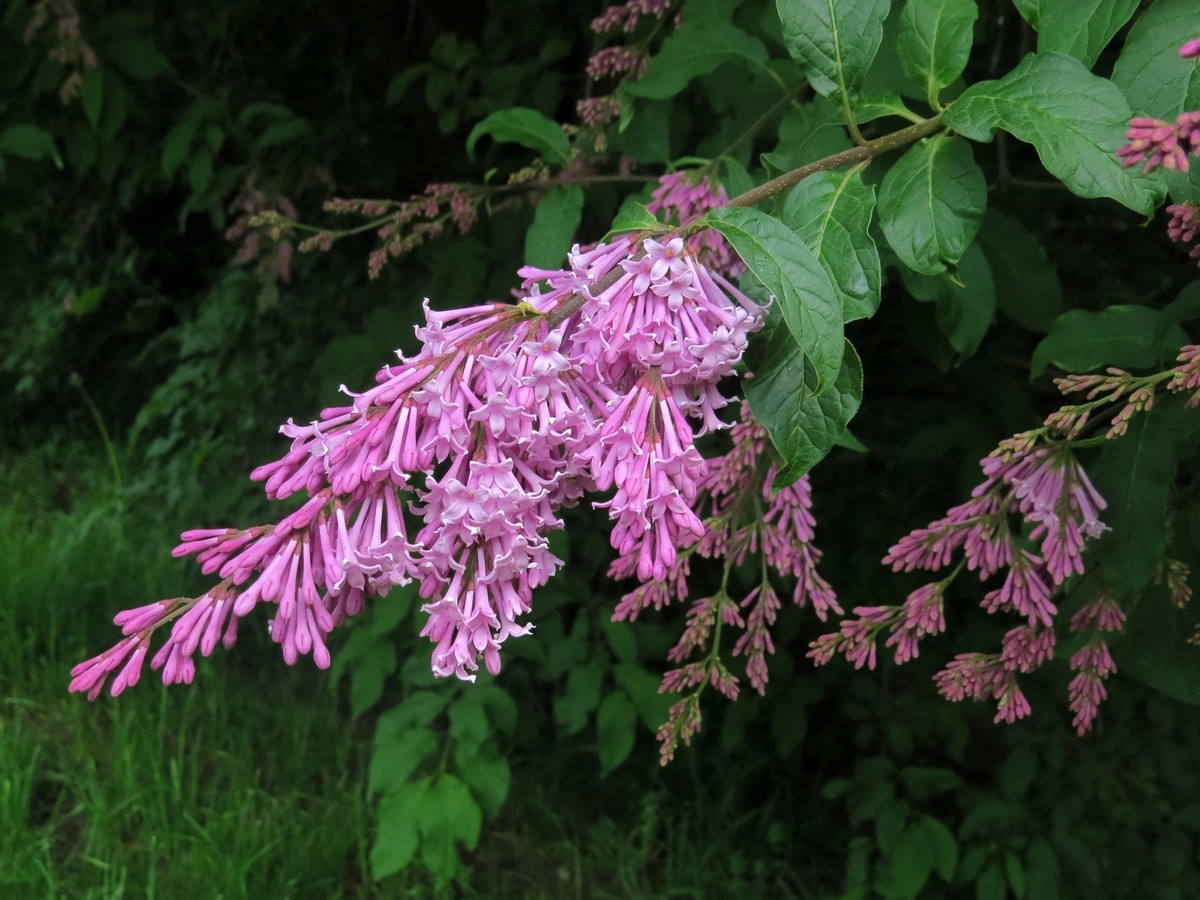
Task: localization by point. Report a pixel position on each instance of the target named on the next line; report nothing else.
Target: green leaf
(402, 81)
(1016, 774)
(1078, 28)
(734, 177)
(89, 299)
(555, 220)
(923, 782)
(831, 211)
(1156, 650)
(966, 302)
(395, 757)
(889, 825)
(931, 203)
(1130, 337)
(180, 138)
(82, 147)
(940, 844)
(886, 81)
(137, 58)
(501, 708)
(647, 135)
(834, 42)
(1014, 870)
(176, 145)
(418, 708)
(694, 49)
(1074, 119)
(487, 773)
(803, 293)
(803, 427)
(281, 133)
(633, 216)
(614, 730)
(809, 131)
(29, 142)
(527, 127)
(924, 845)
(1041, 870)
(935, 42)
(991, 884)
(91, 95)
(642, 688)
(1027, 286)
(396, 832)
(1031, 11)
(469, 720)
(369, 669)
(789, 720)
(1134, 475)
(1156, 80)
(621, 639)
(447, 815)
(583, 694)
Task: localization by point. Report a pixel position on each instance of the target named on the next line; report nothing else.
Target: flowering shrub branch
(603, 378)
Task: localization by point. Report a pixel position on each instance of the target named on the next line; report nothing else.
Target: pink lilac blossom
(1055, 499)
(625, 16)
(616, 60)
(1155, 143)
(1186, 376)
(684, 196)
(984, 676)
(505, 415)
(746, 515)
(1190, 50)
(596, 111)
(1092, 665)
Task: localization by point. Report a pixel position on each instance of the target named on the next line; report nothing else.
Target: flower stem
(866, 151)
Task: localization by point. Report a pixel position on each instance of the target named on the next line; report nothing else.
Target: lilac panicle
(451, 470)
(1050, 492)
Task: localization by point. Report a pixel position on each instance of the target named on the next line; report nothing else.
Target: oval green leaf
(1074, 119)
(931, 204)
(804, 295)
(802, 427)
(527, 127)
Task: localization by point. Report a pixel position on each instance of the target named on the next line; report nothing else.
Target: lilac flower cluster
(684, 196)
(625, 16)
(271, 247)
(401, 225)
(1155, 143)
(452, 469)
(1054, 498)
(747, 516)
(70, 49)
(623, 61)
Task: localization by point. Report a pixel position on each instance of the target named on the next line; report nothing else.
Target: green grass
(246, 784)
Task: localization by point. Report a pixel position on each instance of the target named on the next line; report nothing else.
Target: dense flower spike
(1053, 496)
(507, 413)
